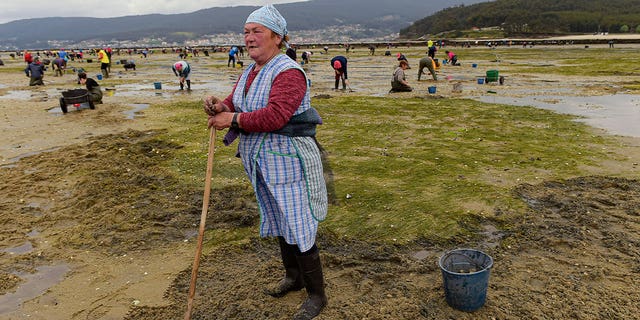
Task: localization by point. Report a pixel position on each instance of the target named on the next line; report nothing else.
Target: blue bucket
(157, 85)
(480, 80)
(474, 65)
(99, 76)
(465, 274)
(432, 89)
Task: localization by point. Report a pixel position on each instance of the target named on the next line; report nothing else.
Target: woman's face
(262, 43)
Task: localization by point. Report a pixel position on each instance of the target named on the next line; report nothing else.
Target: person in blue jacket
(339, 65)
(233, 54)
(35, 71)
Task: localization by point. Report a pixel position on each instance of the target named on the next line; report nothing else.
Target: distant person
(430, 64)
(28, 58)
(183, 70)
(104, 63)
(95, 94)
(233, 54)
(452, 57)
(130, 65)
(291, 53)
(35, 71)
(58, 65)
(63, 54)
(339, 65)
(402, 57)
(326, 49)
(611, 42)
(432, 51)
(372, 50)
(109, 51)
(306, 56)
(429, 43)
(399, 82)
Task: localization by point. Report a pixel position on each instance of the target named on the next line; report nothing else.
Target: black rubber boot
(181, 86)
(337, 83)
(314, 283)
(292, 280)
(188, 85)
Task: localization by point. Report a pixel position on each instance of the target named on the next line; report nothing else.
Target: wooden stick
(203, 220)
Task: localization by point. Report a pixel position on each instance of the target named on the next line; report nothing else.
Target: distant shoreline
(585, 39)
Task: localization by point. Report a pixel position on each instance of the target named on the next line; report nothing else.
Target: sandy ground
(73, 250)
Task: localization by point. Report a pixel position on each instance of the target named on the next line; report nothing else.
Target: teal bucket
(465, 274)
(99, 76)
(157, 85)
(432, 90)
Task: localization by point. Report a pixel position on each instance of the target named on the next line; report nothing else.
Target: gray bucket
(465, 274)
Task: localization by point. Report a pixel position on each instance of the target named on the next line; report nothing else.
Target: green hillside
(533, 17)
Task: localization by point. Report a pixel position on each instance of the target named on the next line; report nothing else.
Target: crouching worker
(130, 65)
(93, 87)
(399, 82)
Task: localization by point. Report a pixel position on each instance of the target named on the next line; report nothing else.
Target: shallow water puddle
(35, 284)
(137, 107)
(17, 95)
(21, 249)
(618, 114)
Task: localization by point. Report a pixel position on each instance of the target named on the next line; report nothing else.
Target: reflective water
(35, 284)
(618, 114)
(21, 249)
(135, 111)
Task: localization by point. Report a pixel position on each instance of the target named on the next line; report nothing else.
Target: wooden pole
(203, 220)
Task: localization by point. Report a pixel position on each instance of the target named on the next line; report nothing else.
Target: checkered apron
(286, 172)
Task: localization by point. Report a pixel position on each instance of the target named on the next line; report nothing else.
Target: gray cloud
(16, 10)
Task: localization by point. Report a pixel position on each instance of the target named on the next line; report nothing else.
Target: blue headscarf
(271, 18)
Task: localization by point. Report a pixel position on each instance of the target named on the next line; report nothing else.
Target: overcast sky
(15, 10)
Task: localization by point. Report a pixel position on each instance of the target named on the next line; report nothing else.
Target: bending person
(430, 64)
(339, 65)
(182, 69)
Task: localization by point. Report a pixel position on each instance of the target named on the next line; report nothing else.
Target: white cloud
(15, 10)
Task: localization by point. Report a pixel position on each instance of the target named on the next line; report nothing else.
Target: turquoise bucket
(157, 85)
(465, 274)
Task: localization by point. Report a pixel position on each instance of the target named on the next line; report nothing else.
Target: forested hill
(531, 17)
(376, 17)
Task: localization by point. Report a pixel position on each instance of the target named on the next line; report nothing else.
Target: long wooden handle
(203, 220)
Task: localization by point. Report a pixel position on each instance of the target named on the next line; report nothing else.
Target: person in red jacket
(28, 58)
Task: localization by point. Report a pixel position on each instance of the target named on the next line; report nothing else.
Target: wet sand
(567, 260)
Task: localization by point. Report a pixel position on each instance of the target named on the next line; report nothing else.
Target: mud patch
(574, 255)
(113, 195)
